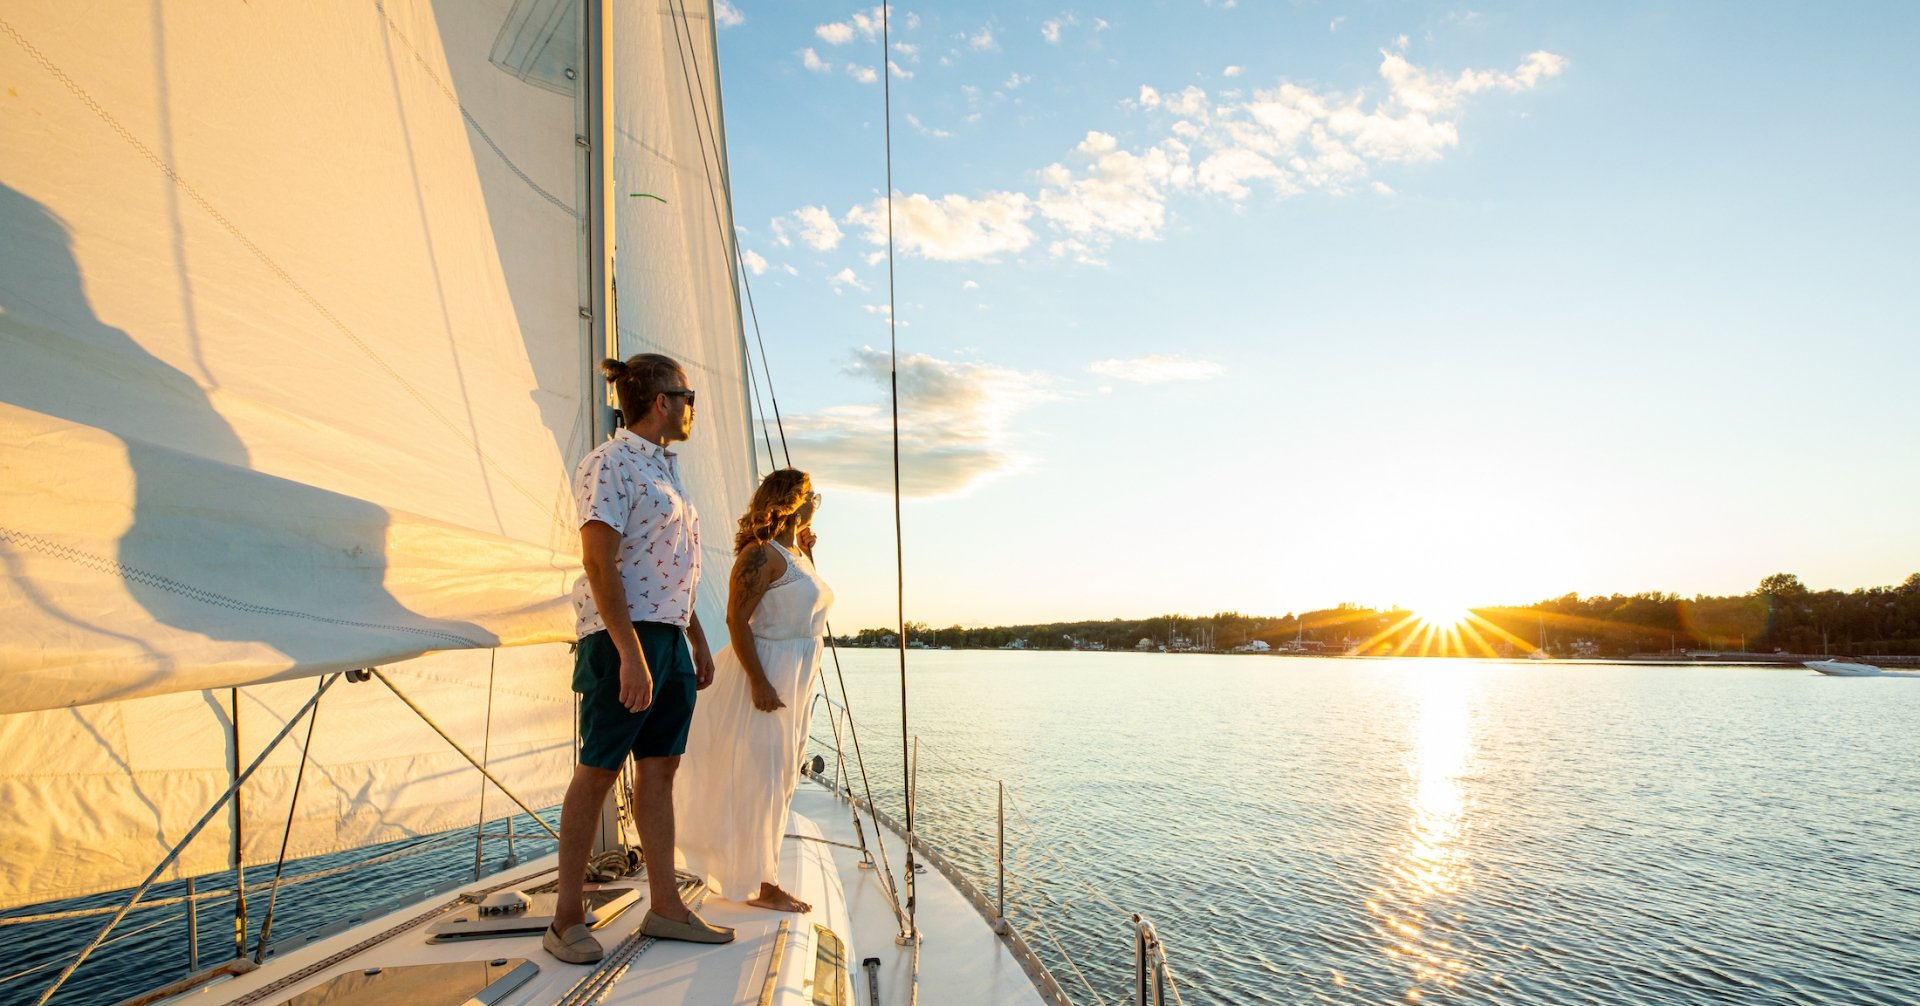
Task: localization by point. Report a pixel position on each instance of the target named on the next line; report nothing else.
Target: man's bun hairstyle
(637, 379)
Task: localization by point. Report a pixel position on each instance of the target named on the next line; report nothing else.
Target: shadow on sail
(208, 546)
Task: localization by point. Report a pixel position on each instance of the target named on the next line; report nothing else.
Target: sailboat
(299, 308)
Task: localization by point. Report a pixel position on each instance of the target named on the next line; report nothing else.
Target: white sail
(289, 310)
(106, 790)
(295, 377)
(673, 262)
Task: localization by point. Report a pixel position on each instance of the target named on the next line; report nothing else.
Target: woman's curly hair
(780, 494)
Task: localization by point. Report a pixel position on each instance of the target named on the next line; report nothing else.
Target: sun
(1441, 614)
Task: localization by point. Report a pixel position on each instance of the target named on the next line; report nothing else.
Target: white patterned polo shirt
(633, 486)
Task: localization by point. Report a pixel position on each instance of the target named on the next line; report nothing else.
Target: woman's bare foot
(771, 896)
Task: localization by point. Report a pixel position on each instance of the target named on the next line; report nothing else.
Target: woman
(743, 751)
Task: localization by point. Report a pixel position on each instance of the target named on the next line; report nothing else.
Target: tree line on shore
(1780, 614)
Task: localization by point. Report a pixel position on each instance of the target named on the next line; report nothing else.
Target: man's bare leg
(579, 822)
(653, 818)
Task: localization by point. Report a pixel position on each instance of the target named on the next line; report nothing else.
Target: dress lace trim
(794, 572)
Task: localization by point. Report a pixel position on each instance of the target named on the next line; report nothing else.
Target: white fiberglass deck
(961, 960)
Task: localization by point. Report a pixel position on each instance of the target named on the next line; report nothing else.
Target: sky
(1267, 306)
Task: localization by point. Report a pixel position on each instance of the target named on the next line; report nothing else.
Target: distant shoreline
(1686, 659)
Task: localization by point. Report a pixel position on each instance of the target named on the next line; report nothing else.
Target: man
(642, 653)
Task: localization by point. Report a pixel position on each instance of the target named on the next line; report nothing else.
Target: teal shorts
(608, 731)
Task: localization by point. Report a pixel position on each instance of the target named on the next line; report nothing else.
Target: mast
(600, 310)
(600, 202)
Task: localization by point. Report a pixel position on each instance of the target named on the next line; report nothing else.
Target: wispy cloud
(813, 225)
(925, 130)
(726, 15)
(952, 228)
(755, 263)
(863, 74)
(982, 40)
(957, 420)
(865, 24)
(812, 61)
(845, 278)
(1288, 139)
(1158, 369)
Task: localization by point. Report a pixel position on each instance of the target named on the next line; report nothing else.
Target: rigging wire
(708, 135)
(286, 834)
(700, 108)
(893, 384)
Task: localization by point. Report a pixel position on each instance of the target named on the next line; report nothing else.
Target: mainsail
(295, 374)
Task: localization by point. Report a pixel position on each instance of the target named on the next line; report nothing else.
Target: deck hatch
(830, 982)
(452, 984)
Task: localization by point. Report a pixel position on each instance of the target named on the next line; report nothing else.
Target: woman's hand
(765, 697)
(806, 539)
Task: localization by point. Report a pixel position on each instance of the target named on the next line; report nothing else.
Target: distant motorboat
(1845, 669)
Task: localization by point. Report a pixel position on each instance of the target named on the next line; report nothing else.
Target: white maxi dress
(731, 794)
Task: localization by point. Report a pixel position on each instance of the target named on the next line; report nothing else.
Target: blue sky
(1267, 306)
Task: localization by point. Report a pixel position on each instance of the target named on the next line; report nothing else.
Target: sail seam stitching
(150, 579)
(268, 261)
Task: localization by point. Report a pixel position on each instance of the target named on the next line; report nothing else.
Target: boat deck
(960, 957)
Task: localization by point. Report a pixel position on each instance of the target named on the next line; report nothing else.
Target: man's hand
(765, 698)
(702, 668)
(636, 682)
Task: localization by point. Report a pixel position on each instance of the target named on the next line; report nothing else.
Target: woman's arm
(754, 570)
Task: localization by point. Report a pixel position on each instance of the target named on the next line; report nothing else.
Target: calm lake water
(1366, 831)
(1356, 831)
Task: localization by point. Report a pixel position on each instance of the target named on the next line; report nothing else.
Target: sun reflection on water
(1431, 863)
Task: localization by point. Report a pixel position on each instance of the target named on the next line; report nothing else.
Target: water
(1308, 830)
(1354, 831)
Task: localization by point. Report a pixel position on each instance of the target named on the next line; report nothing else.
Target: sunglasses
(686, 393)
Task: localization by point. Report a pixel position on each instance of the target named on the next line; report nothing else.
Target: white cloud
(726, 15)
(1334, 25)
(865, 23)
(938, 134)
(812, 61)
(845, 278)
(1050, 31)
(898, 71)
(1016, 79)
(907, 50)
(1120, 193)
(755, 264)
(1158, 369)
(982, 41)
(789, 270)
(952, 228)
(875, 258)
(969, 285)
(813, 225)
(956, 422)
(863, 74)
(1231, 71)
(1287, 139)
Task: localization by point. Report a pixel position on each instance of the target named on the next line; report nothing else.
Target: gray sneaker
(577, 947)
(694, 930)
